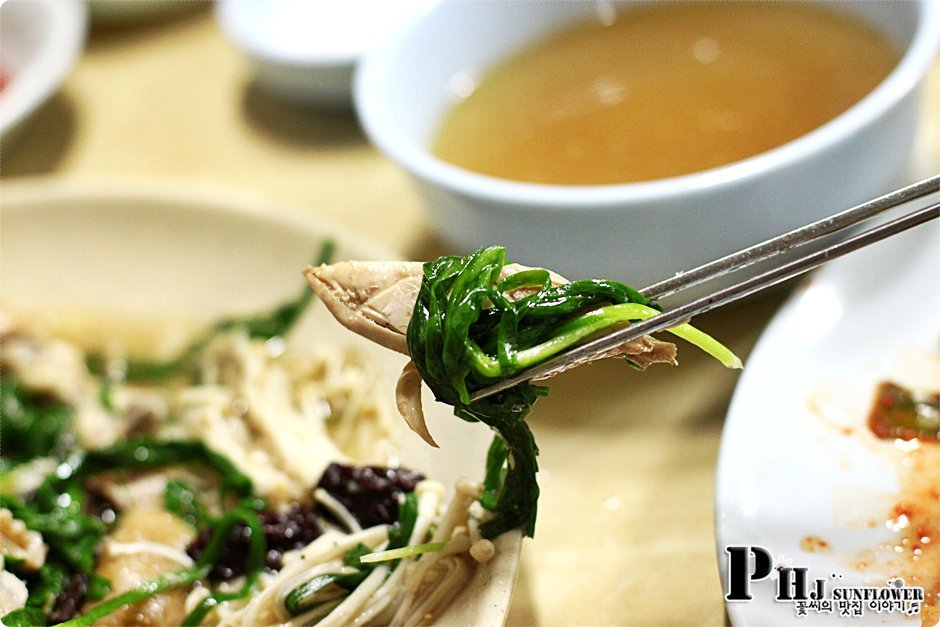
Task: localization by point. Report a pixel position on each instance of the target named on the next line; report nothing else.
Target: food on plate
(910, 417)
(891, 424)
(899, 412)
(238, 484)
(470, 321)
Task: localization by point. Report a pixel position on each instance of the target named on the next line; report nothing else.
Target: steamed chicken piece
(371, 298)
(375, 299)
(13, 592)
(26, 547)
(147, 542)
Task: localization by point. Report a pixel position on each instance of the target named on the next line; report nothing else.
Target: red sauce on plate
(898, 413)
(916, 518)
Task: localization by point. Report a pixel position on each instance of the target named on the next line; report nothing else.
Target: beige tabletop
(625, 533)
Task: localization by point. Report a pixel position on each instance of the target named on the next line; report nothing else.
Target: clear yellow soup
(664, 89)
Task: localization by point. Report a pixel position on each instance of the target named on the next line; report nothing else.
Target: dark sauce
(283, 531)
(69, 603)
(370, 493)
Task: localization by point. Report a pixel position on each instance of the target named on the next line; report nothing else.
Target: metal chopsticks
(745, 287)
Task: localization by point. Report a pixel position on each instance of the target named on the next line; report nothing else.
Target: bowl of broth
(637, 139)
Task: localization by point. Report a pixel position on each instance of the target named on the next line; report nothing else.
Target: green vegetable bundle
(466, 333)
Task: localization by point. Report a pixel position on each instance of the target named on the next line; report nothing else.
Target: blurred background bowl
(306, 50)
(635, 232)
(39, 43)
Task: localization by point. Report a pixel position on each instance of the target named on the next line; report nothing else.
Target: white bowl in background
(637, 232)
(307, 50)
(40, 41)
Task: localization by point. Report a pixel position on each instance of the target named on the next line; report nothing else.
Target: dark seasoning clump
(370, 493)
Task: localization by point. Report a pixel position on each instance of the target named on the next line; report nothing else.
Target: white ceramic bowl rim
(62, 42)
(238, 18)
(914, 64)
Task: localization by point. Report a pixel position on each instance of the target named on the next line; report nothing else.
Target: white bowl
(143, 253)
(39, 42)
(637, 232)
(306, 50)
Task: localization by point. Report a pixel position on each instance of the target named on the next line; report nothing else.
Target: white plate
(152, 253)
(797, 461)
(39, 42)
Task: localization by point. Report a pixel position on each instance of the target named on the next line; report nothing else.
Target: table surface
(625, 530)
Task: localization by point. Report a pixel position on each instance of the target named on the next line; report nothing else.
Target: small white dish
(143, 253)
(40, 41)
(307, 50)
(797, 463)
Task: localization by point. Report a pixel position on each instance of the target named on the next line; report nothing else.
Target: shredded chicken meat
(375, 299)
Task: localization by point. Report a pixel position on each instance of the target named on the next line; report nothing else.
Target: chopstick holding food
(467, 322)
(479, 330)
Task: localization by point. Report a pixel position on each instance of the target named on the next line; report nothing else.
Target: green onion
(256, 553)
(138, 594)
(192, 574)
(329, 588)
(405, 551)
(465, 333)
(181, 499)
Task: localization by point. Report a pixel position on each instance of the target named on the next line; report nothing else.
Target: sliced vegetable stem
(405, 551)
(135, 595)
(588, 324)
(466, 331)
